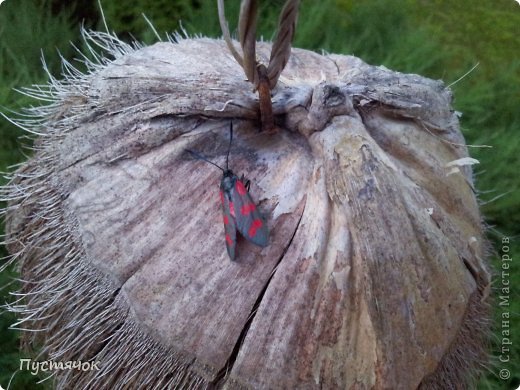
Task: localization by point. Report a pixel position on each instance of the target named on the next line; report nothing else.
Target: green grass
(440, 39)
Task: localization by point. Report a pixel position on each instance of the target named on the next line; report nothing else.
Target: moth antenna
(229, 147)
(201, 157)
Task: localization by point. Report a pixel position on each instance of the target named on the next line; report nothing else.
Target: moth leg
(247, 183)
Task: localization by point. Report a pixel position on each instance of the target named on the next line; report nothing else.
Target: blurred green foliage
(436, 38)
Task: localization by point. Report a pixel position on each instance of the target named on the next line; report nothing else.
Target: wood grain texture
(370, 273)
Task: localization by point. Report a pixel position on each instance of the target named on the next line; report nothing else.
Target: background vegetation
(439, 39)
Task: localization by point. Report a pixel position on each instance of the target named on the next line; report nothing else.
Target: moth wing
(249, 222)
(230, 228)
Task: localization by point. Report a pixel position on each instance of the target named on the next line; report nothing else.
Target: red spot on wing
(226, 219)
(231, 209)
(257, 224)
(228, 239)
(247, 208)
(241, 189)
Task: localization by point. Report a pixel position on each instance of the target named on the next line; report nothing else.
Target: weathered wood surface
(375, 258)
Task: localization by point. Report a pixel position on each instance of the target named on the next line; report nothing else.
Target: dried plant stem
(264, 78)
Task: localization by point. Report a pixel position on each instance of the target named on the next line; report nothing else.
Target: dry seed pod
(374, 277)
